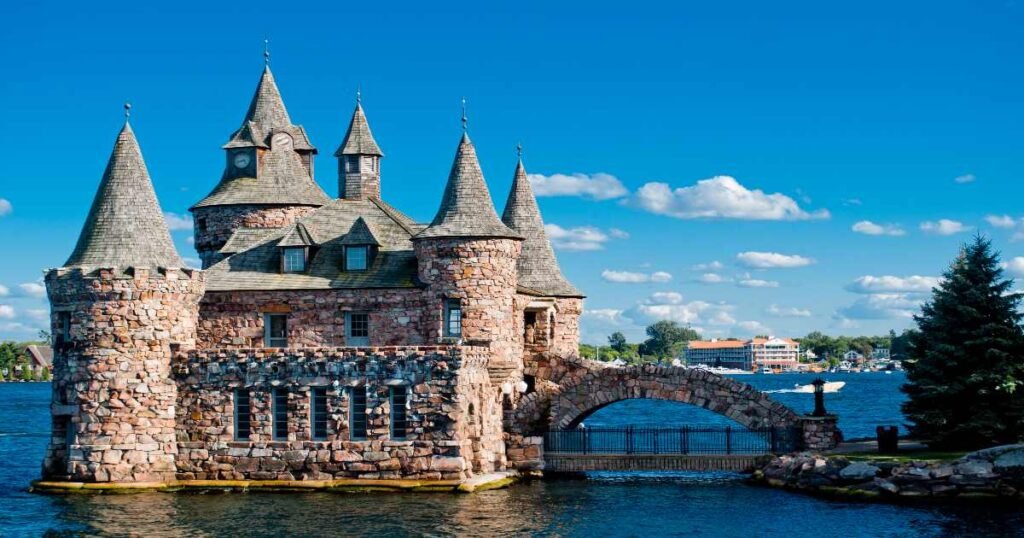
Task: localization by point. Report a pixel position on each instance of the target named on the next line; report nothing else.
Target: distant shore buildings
(775, 353)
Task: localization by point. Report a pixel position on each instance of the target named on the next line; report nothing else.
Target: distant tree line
(15, 363)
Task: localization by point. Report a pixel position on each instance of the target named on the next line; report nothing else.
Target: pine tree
(965, 367)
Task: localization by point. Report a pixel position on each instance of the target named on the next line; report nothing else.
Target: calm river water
(647, 505)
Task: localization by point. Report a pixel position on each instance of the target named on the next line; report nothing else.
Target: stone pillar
(113, 395)
(819, 433)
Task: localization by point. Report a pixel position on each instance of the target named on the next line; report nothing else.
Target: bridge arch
(580, 397)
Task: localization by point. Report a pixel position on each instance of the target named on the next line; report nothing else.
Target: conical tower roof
(466, 208)
(125, 227)
(265, 116)
(358, 140)
(538, 268)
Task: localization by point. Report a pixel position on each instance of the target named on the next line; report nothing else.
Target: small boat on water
(720, 370)
(766, 370)
(830, 386)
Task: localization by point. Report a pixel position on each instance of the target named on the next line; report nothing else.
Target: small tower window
(275, 330)
(318, 408)
(293, 259)
(453, 318)
(243, 424)
(352, 163)
(357, 413)
(357, 258)
(399, 412)
(280, 414)
(63, 327)
(201, 224)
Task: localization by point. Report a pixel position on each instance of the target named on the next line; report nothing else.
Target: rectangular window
(357, 329)
(280, 414)
(399, 413)
(318, 412)
(293, 259)
(275, 330)
(352, 163)
(243, 419)
(453, 318)
(201, 224)
(63, 327)
(357, 413)
(356, 258)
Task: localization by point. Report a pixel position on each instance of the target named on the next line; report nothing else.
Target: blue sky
(830, 157)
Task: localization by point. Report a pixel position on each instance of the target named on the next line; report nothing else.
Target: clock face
(281, 140)
(242, 160)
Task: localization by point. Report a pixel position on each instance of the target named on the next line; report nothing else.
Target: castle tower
(122, 305)
(268, 176)
(358, 160)
(557, 322)
(467, 257)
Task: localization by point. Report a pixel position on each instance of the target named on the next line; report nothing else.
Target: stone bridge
(572, 389)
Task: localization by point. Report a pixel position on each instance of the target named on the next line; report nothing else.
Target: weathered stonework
(454, 426)
(114, 398)
(214, 225)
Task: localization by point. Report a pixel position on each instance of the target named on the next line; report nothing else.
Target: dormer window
(293, 259)
(357, 257)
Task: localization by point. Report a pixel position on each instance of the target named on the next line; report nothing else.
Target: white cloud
(580, 238)
(38, 314)
(754, 327)
(966, 178)
(853, 201)
(712, 278)
(629, 277)
(618, 234)
(6, 311)
(598, 186)
(870, 228)
(719, 197)
(1001, 221)
(788, 312)
(883, 306)
(678, 311)
(893, 284)
(666, 297)
(177, 222)
(5, 207)
(605, 314)
(194, 263)
(713, 266)
(1015, 266)
(757, 283)
(33, 289)
(944, 227)
(766, 260)
(4, 291)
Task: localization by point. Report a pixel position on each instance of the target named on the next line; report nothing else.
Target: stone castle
(324, 338)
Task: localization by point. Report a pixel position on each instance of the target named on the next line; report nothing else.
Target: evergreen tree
(965, 373)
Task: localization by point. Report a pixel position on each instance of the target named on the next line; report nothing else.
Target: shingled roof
(125, 226)
(538, 268)
(358, 140)
(329, 227)
(267, 115)
(466, 208)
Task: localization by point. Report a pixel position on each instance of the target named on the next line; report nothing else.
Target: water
(605, 504)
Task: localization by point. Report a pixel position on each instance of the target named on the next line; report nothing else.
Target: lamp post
(819, 398)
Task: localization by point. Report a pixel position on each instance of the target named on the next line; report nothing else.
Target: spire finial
(266, 52)
(519, 150)
(127, 111)
(465, 120)
(359, 94)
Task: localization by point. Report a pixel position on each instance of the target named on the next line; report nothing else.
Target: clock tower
(267, 180)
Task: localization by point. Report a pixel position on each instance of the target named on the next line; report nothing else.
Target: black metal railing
(686, 440)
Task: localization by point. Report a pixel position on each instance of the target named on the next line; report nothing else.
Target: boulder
(858, 471)
(1010, 462)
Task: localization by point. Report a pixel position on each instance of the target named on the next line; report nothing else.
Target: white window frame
(366, 257)
(287, 262)
(351, 339)
(271, 341)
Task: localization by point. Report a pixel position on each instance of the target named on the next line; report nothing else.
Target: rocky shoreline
(993, 473)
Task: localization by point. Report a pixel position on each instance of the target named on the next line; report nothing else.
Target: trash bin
(888, 439)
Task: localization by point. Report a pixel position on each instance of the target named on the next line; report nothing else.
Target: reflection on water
(605, 504)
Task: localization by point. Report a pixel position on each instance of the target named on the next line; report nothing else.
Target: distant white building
(774, 353)
(853, 355)
(880, 354)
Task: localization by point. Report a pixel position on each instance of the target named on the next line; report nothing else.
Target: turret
(467, 257)
(268, 175)
(551, 319)
(122, 305)
(358, 159)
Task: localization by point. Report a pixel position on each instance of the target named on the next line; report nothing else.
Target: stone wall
(234, 320)
(113, 396)
(566, 342)
(453, 415)
(215, 224)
